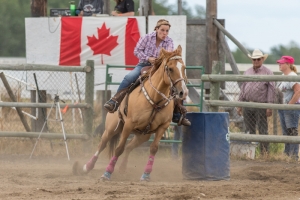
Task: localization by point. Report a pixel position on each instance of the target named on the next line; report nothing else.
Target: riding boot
(113, 104)
(179, 113)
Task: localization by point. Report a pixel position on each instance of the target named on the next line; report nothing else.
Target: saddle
(145, 69)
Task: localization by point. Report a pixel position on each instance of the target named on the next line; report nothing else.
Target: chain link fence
(254, 119)
(25, 86)
(255, 116)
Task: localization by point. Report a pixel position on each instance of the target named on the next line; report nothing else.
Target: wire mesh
(69, 86)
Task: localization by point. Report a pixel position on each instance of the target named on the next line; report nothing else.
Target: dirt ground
(50, 177)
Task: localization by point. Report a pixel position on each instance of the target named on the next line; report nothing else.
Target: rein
(156, 106)
(172, 82)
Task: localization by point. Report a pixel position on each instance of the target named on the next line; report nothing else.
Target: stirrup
(111, 106)
(185, 122)
(180, 120)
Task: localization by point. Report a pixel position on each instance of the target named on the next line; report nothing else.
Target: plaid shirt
(262, 92)
(146, 47)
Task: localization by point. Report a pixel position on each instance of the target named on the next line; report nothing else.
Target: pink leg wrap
(90, 165)
(111, 166)
(148, 168)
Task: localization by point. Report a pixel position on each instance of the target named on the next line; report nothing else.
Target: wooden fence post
(38, 8)
(215, 86)
(89, 112)
(101, 98)
(89, 99)
(14, 99)
(37, 125)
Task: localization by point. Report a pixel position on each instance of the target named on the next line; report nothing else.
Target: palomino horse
(147, 109)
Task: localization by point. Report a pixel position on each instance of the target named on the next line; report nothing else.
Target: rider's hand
(151, 60)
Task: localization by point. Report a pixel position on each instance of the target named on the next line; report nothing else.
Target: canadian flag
(71, 41)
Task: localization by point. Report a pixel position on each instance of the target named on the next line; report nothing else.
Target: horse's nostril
(180, 94)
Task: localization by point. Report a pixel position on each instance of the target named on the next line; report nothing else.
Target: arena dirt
(50, 177)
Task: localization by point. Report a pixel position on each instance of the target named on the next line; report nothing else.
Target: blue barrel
(206, 147)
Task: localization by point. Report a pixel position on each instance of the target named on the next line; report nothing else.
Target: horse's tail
(113, 144)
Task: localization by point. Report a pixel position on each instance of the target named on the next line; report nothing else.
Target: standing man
(90, 7)
(261, 92)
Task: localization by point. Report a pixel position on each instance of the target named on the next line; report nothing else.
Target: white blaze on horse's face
(181, 88)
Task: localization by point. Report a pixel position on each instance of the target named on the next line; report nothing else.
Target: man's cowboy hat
(258, 54)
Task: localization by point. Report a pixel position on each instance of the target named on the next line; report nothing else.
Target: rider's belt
(145, 63)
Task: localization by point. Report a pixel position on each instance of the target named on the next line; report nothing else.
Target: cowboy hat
(258, 54)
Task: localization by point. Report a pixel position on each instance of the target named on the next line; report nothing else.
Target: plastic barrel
(206, 147)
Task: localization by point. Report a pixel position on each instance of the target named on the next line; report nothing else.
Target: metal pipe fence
(230, 103)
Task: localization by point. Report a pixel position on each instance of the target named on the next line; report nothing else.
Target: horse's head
(174, 68)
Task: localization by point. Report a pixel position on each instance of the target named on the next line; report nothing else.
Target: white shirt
(287, 89)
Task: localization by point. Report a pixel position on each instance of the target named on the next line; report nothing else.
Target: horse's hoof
(77, 169)
(145, 177)
(105, 176)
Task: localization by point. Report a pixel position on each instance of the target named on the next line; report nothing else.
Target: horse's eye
(170, 70)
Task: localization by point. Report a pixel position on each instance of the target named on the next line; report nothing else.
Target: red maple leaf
(105, 42)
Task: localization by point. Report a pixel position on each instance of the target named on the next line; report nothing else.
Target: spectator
(90, 7)
(291, 92)
(147, 50)
(123, 8)
(261, 92)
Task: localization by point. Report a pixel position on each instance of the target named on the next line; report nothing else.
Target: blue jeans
(289, 119)
(132, 76)
(257, 117)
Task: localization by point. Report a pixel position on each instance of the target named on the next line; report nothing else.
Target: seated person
(123, 8)
(90, 7)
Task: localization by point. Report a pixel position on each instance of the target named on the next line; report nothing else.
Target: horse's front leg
(136, 141)
(110, 131)
(153, 151)
(78, 169)
(119, 150)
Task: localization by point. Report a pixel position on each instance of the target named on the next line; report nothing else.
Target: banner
(70, 41)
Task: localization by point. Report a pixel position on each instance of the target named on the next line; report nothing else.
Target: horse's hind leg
(119, 150)
(153, 151)
(136, 141)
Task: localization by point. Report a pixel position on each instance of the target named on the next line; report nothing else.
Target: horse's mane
(160, 59)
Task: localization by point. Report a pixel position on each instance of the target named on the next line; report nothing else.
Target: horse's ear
(179, 49)
(163, 51)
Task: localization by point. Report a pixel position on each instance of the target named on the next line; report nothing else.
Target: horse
(146, 110)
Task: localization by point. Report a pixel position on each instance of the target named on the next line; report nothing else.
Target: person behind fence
(90, 7)
(123, 8)
(289, 119)
(147, 50)
(260, 92)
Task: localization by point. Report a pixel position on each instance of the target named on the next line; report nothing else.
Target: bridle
(171, 81)
(168, 73)
(156, 106)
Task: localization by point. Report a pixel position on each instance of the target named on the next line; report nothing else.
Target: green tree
(12, 23)
(292, 49)
(186, 10)
(240, 57)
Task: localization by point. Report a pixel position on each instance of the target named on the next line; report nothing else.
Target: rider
(147, 50)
